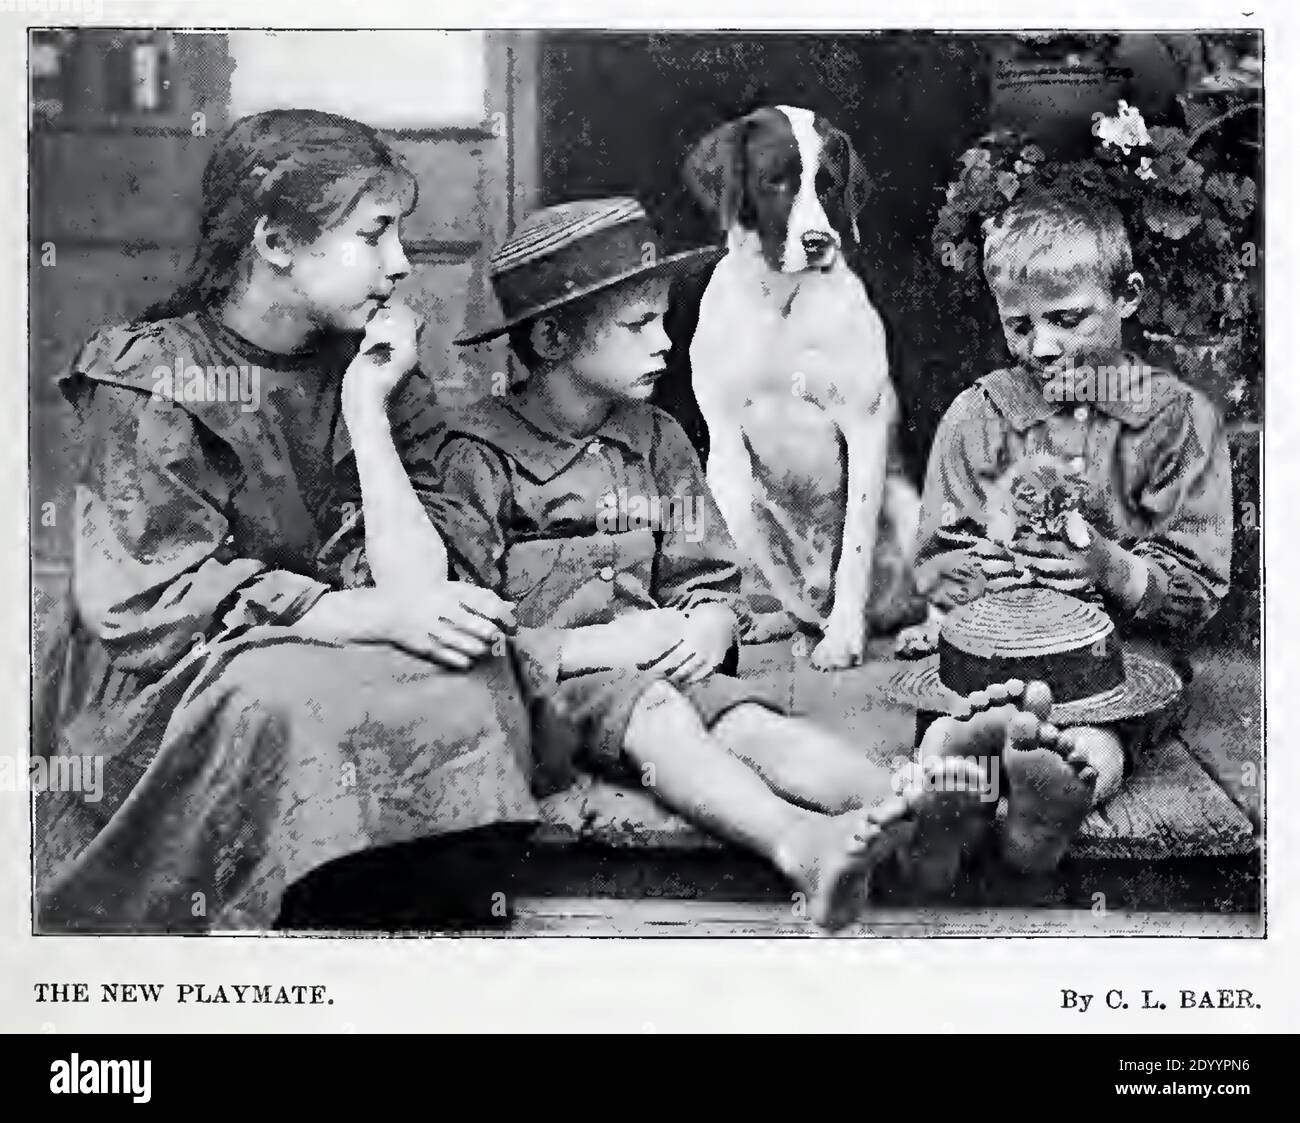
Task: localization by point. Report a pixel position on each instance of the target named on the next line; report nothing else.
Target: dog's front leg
(732, 486)
(866, 442)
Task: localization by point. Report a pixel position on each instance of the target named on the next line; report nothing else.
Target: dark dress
(240, 755)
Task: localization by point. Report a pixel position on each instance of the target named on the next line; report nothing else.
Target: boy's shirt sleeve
(954, 497)
(155, 571)
(696, 562)
(469, 507)
(1188, 496)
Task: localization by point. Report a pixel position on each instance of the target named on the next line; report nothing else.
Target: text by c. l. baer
(1222, 999)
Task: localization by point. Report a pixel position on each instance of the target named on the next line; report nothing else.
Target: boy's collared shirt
(577, 530)
(1154, 461)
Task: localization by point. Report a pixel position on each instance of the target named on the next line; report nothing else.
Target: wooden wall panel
(118, 200)
(106, 187)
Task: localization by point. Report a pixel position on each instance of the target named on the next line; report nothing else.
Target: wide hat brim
(677, 264)
(1149, 687)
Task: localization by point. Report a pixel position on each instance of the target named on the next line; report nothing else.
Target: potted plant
(1189, 222)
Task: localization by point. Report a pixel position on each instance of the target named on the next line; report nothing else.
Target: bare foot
(979, 732)
(953, 804)
(831, 858)
(1050, 789)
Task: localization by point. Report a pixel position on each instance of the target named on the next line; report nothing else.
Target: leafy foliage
(1186, 226)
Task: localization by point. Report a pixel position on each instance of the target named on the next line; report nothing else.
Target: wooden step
(592, 916)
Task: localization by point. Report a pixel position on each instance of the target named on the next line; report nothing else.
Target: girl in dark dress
(271, 681)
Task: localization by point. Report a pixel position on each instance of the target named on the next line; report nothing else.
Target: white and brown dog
(790, 370)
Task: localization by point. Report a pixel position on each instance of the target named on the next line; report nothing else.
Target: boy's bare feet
(933, 862)
(1051, 787)
(833, 857)
(977, 737)
(950, 824)
(981, 731)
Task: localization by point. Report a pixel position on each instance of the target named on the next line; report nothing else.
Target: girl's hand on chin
(388, 353)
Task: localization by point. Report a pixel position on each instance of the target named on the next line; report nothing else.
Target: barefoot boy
(577, 499)
(1153, 536)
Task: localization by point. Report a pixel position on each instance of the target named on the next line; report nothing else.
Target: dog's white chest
(813, 340)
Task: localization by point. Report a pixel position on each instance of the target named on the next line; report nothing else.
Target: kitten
(1037, 497)
(1030, 510)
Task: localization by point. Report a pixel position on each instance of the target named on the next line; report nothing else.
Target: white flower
(1125, 131)
(1144, 170)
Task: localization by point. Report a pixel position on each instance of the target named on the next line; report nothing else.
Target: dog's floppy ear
(715, 170)
(853, 179)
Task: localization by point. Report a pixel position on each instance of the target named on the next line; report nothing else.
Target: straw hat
(563, 253)
(1036, 633)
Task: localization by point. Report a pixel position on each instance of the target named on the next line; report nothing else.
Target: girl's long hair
(301, 168)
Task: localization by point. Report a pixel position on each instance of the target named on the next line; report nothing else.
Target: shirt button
(607, 573)
(1081, 414)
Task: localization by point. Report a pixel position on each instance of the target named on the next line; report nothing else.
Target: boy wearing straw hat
(584, 504)
(1123, 467)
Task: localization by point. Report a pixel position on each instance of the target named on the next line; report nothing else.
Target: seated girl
(269, 687)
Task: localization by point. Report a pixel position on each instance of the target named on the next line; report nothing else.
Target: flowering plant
(1187, 225)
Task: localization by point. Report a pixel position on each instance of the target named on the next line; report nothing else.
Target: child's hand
(453, 624)
(967, 574)
(1085, 561)
(1059, 564)
(706, 635)
(958, 580)
(388, 352)
(460, 619)
(643, 638)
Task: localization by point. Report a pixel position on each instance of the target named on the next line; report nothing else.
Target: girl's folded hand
(452, 624)
(459, 622)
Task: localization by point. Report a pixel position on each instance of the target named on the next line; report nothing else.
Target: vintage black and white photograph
(636, 483)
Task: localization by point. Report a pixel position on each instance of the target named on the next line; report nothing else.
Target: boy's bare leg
(804, 762)
(1054, 779)
(810, 764)
(801, 761)
(829, 857)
